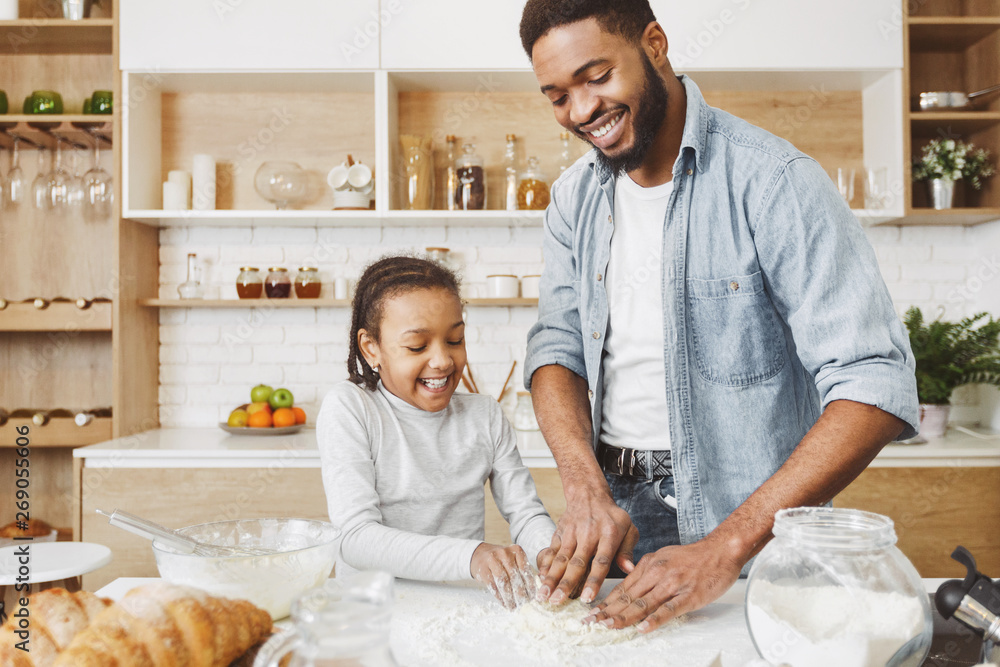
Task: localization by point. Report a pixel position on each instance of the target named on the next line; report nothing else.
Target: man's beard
(648, 117)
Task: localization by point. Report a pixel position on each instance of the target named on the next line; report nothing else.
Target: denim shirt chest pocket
(737, 338)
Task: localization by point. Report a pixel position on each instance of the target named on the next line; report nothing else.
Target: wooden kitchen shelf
(958, 217)
(56, 317)
(932, 123)
(57, 36)
(59, 432)
(306, 218)
(42, 130)
(949, 33)
(304, 303)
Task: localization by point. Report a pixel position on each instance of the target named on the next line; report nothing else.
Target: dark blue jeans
(647, 505)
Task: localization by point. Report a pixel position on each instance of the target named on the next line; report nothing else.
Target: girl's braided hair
(384, 279)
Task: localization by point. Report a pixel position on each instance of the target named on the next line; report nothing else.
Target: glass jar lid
(308, 268)
(275, 269)
(249, 268)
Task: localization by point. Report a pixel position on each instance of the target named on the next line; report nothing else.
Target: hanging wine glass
(40, 186)
(98, 189)
(76, 193)
(59, 181)
(14, 190)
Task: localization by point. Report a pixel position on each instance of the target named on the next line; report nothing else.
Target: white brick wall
(209, 359)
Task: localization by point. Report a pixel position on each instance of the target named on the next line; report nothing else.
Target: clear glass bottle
(191, 288)
(510, 173)
(451, 175)
(831, 588)
(249, 284)
(532, 190)
(278, 284)
(566, 159)
(471, 195)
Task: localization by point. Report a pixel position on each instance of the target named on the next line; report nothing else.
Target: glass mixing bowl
(306, 552)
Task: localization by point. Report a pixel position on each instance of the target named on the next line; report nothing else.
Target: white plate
(52, 561)
(262, 430)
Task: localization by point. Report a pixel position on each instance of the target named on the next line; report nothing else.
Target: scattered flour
(535, 634)
(831, 626)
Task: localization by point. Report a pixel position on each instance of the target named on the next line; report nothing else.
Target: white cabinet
(782, 34)
(249, 35)
(452, 34)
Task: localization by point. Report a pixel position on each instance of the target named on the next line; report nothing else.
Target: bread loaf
(162, 625)
(55, 617)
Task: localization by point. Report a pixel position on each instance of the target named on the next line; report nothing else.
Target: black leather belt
(634, 462)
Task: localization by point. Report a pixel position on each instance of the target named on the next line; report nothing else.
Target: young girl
(405, 459)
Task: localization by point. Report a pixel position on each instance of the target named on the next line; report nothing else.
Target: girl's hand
(506, 572)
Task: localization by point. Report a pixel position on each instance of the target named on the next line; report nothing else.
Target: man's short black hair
(626, 18)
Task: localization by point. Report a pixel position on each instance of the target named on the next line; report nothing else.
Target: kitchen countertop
(428, 616)
(214, 448)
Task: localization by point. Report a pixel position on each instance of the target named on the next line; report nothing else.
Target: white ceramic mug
(337, 178)
(529, 287)
(501, 287)
(8, 10)
(359, 177)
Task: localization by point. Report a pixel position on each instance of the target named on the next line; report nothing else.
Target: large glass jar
(278, 285)
(832, 590)
(471, 195)
(307, 283)
(249, 284)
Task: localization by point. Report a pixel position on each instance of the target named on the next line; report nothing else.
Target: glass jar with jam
(307, 283)
(249, 284)
(471, 194)
(278, 284)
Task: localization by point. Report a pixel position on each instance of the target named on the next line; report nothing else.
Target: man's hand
(505, 571)
(592, 533)
(668, 583)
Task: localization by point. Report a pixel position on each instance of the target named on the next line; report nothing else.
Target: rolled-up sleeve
(556, 337)
(823, 279)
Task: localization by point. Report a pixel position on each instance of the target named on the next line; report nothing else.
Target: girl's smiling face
(420, 351)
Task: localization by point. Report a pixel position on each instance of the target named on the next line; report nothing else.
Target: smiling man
(714, 342)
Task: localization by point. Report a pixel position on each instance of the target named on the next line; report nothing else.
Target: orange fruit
(257, 407)
(283, 417)
(300, 415)
(259, 419)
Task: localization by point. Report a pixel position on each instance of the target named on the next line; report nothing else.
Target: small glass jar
(307, 283)
(438, 255)
(831, 588)
(532, 190)
(278, 284)
(471, 194)
(524, 413)
(249, 284)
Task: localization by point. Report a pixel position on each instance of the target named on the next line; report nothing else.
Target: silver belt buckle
(631, 464)
(621, 462)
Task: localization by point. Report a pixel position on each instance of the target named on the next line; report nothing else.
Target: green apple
(281, 398)
(260, 393)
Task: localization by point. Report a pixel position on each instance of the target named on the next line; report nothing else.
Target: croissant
(162, 625)
(55, 616)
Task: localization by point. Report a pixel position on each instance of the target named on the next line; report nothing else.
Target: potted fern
(949, 355)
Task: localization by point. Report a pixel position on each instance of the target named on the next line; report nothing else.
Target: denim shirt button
(690, 172)
(597, 335)
(590, 394)
(735, 286)
(599, 276)
(610, 219)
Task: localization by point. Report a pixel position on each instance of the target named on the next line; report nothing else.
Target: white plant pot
(934, 420)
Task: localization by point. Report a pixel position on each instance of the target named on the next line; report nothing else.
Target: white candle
(183, 179)
(174, 197)
(203, 185)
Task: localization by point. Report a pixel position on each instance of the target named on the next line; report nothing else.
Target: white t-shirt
(634, 408)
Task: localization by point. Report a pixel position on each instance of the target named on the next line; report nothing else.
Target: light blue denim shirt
(773, 306)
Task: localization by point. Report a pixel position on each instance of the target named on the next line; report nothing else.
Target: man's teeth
(435, 384)
(601, 131)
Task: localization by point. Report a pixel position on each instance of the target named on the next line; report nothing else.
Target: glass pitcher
(343, 623)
